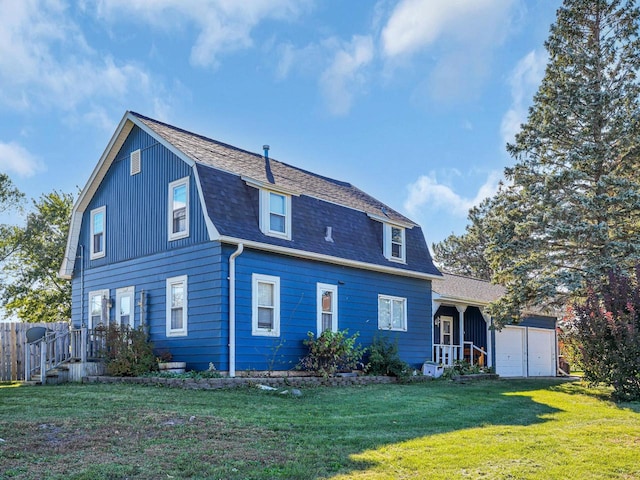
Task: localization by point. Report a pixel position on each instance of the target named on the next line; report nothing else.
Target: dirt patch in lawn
(145, 446)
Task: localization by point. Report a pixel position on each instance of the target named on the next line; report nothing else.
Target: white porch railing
(446, 354)
(449, 354)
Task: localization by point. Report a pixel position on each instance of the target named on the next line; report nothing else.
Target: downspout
(232, 309)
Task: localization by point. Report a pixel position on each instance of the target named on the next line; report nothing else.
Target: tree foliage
(29, 285)
(465, 254)
(10, 196)
(570, 210)
(606, 326)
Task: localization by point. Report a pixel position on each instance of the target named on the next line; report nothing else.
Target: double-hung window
(179, 209)
(98, 308)
(394, 243)
(392, 313)
(327, 308)
(98, 232)
(265, 317)
(176, 306)
(124, 307)
(275, 214)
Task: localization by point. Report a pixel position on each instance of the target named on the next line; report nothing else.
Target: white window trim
(324, 287)
(387, 243)
(94, 212)
(172, 186)
(404, 319)
(122, 292)
(177, 332)
(275, 281)
(104, 294)
(265, 214)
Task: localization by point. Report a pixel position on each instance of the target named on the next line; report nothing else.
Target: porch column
(461, 309)
(490, 333)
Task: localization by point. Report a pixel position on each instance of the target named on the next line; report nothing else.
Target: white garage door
(510, 352)
(542, 352)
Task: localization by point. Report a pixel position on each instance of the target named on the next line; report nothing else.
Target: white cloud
(524, 81)
(416, 24)
(47, 62)
(427, 192)
(223, 26)
(16, 159)
(345, 76)
(460, 36)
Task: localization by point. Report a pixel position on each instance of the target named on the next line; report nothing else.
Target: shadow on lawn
(601, 393)
(424, 413)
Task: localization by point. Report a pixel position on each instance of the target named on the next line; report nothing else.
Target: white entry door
(510, 352)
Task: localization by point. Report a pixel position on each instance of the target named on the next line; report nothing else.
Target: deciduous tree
(606, 326)
(29, 285)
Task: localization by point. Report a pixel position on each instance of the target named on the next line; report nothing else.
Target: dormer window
(179, 209)
(394, 243)
(275, 217)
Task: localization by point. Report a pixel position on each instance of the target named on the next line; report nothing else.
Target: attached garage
(510, 350)
(526, 351)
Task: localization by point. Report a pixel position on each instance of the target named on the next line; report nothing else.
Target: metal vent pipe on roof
(266, 151)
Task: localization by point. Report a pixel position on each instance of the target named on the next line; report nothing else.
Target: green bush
(127, 352)
(331, 353)
(462, 367)
(385, 360)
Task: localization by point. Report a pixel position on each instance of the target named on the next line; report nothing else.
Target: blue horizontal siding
(357, 309)
(206, 341)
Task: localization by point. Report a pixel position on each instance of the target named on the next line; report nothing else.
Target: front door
(446, 330)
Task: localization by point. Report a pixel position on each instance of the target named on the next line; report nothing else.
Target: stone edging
(282, 382)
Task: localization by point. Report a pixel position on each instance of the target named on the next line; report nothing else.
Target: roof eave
(327, 258)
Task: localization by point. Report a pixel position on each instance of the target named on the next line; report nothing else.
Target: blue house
(231, 257)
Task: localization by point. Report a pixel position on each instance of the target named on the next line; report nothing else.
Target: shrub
(606, 326)
(462, 367)
(385, 360)
(127, 352)
(331, 352)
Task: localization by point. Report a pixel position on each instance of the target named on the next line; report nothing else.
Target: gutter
(232, 309)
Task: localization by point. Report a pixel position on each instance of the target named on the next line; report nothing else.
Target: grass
(495, 429)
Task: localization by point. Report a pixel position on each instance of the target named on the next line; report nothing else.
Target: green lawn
(494, 429)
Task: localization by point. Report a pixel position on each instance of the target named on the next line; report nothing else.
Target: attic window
(394, 243)
(135, 166)
(275, 214)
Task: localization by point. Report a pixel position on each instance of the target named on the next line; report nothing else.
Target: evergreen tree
(571, 208)
(464, 254)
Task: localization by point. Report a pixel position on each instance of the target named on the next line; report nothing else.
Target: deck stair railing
(46, 353)
(52, 349)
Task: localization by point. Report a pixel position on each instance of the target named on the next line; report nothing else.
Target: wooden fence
(12, 342)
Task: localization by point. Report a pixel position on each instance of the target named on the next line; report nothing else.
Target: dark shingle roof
(241, 162)
(320, 202)
(467, 288)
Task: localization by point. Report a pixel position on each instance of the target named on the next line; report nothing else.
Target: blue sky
(412, 101)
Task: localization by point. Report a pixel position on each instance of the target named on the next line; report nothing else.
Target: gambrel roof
(221, 156)
(227, 177)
